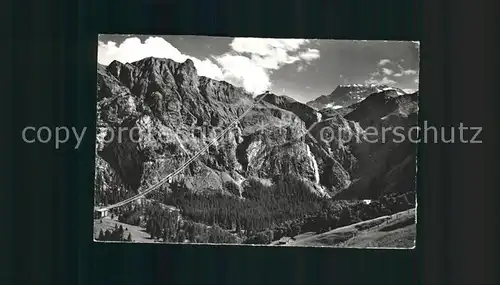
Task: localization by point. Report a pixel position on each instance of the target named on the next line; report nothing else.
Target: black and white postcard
(256, 141)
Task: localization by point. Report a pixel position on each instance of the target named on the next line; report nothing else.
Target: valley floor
(394, 231)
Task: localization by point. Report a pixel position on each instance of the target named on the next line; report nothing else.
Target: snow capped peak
(387, 88)
(333, 106)
(351, 85)
(347, 94)
(357, 85)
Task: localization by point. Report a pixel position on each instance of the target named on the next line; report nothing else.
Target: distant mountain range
(345, 95)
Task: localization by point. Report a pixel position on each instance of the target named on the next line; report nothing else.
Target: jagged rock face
(108, 182)
(174, 113)
(345, 95)
(161, 113)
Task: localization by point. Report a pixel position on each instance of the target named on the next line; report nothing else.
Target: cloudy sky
(301, 69)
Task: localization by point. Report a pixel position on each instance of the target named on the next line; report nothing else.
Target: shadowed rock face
(388, 164)
(304, 112)
(161, 113)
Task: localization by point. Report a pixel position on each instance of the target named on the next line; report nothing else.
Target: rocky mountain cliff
(345, 95)
(154, 114)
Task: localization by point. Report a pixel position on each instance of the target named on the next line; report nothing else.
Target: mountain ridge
(177, 111)
(347, 94)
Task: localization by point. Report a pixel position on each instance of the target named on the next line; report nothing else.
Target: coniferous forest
(263, 214)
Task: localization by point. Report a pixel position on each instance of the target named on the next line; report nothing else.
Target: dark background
(49, 192)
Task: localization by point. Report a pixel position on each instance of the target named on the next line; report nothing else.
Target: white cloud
(253, 59)
(248, 65)
(242, 71)
(409, 72)
(383, 81)
(273, 53)
(274, 62)
(387, 81)
(265, 47)
(390, 73)
(387, 71)
(384, 62)
(403, 72)
(268, 53)
(132, 49)
(310, 54)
